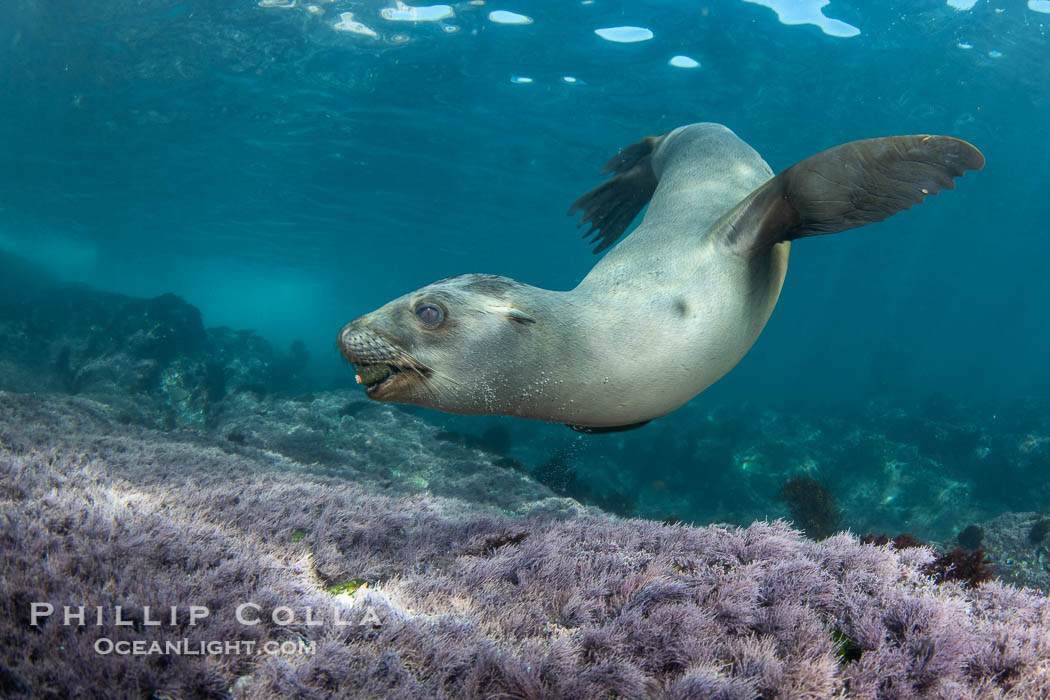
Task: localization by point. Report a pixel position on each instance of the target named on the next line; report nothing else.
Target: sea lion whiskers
(433, 387)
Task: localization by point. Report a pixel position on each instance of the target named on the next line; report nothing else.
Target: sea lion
(667, 311)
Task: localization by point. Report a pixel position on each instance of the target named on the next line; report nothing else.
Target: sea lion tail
(851, 185)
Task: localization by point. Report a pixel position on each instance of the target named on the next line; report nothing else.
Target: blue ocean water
(285, 174)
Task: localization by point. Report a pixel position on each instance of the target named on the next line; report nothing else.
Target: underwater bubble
(406, 13)
(624, 35)
(347, 23)
(962, 4)
(520, 79)
(995, 54)
(450, 28)
(276, 3)
(680, 61)
(506, 17)
(314, 10)
(808, 12)
(964, 45)
(569, 79)
(1039, 6)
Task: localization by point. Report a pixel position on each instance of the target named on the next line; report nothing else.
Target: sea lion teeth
(668, 310)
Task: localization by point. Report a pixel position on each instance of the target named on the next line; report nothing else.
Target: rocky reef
(366, 589)
(930, 466)
(69, 338)
(150, 464)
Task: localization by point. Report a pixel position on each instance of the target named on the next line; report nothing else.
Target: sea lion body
(670, 309)
(679, 312)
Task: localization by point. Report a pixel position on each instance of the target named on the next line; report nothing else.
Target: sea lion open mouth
(384, 369)
(383, 380)
(376, 376)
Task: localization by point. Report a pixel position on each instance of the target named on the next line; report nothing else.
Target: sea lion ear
(516, 315)
(851, 185)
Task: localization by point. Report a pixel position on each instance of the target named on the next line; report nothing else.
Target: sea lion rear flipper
(589, 430)
(611, 207)
(851, 185)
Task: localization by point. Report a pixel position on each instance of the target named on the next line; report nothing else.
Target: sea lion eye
(430, 316)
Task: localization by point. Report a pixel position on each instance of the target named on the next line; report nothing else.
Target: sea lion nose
(360, 341)
(349, 336)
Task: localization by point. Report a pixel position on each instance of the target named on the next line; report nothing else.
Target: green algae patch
(846, 648)
(347, 588)
(299, 535)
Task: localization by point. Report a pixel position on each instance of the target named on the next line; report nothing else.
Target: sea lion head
(456, 345)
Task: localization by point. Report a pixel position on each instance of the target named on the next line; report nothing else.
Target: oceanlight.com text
(184, 647)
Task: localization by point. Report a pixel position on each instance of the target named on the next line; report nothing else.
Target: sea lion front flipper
(851, 185)
(611, 206)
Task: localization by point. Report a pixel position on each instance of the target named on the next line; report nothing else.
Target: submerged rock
(166, 465)
(422, 596)
(69, 338)
(1019, 548)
